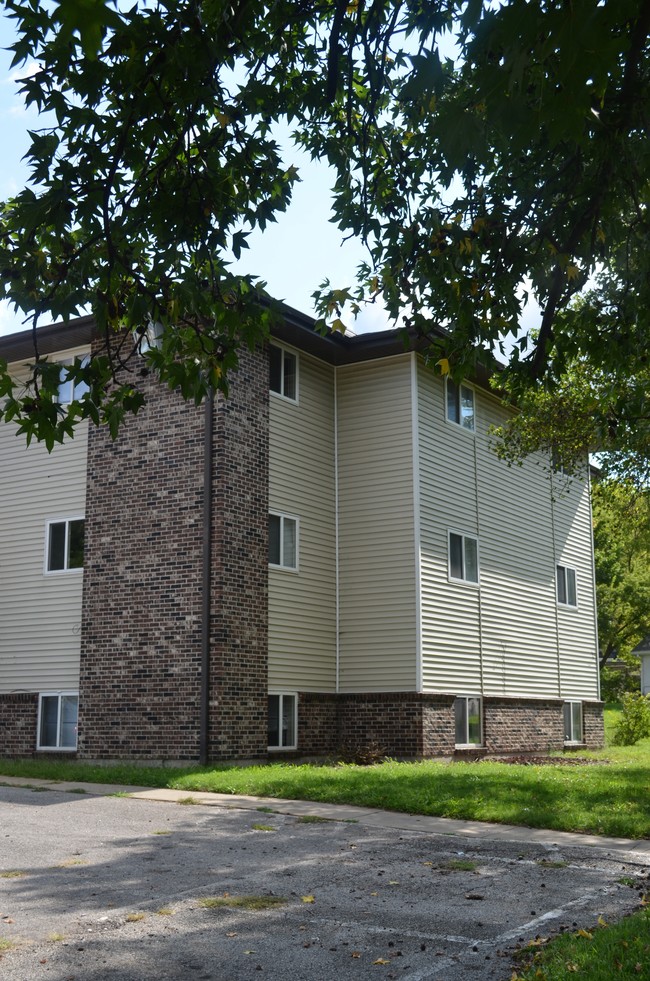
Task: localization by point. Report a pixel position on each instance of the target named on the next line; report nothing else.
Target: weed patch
(12, 874)
(263, 827)
(312, 819)
(135, 917)
(459, 865)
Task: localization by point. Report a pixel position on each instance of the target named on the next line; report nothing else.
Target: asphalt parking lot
(113, 887)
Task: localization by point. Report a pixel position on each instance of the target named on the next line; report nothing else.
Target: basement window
(573, 722)
(467, 711)
(57, 720)
(283, 723)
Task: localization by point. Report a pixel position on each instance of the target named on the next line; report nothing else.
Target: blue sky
(294, 256)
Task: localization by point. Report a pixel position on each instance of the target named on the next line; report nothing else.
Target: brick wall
(593, 724)
(522, 726)
(240, 563)
(400, 724)
(412, 725)
(141, 629)
(18, 718)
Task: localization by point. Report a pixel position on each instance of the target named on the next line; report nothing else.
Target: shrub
(634, 723)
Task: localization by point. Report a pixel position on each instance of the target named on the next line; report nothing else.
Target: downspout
(206, 578)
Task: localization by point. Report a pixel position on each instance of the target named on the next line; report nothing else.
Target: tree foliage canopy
(517, 167)
(622, 555)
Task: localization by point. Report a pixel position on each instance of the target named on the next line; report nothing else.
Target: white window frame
(464, 538)
(459, 421)
(561, 574)
(69, 391)
(467, 744)
(569, 705)
(281, 394)
(281, 695)
(67, 520)
(281, 564)
(58, 748)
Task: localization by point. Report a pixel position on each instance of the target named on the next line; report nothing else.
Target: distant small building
(643, 651)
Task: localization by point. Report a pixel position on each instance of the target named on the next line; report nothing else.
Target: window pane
(56, 547)
(274, 720)
(576, 720)
(81, 387)
(452, 402)
(275, 359)
(289, 388)
(466, 407)
(456, 556)
(289, 543)
(64, 394)
(460, 711)
(49, 718)
(274, 539)
(561, 585)
(474, 721)
(69, 707)
(288, 720)
(471, 560)
(76, 545)
(571, 587)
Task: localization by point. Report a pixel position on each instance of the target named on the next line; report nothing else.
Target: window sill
(283, 398)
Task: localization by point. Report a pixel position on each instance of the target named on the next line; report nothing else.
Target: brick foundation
(406, 724)
(399, 724)
(522, 726)
(140, 666)
(593, 724)
(18, 720)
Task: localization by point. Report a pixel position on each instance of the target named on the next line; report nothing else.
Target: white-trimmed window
(467, 714)
(567, 593)
(573, 722)
(57, 720)
(283, 372)
(283, 722)
(64, 545)
(283, 541)
(460, 405)
(70, 391)
(463, 557)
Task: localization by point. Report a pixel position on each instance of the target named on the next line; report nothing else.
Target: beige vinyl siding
(505, 637)
(450, 610)
(378, 606)
(517, 593)
(40, 614)
(302, 604)
(576, 625)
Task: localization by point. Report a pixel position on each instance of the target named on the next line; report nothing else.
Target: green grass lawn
(621, 950)
(610, 799)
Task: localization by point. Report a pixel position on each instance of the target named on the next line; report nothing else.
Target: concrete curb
(372, 817)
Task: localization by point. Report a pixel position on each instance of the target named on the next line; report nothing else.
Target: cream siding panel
(302, 605)
(504, 638)
(450, 610)
(378, 629)
(40, 614)
(576, 626)
(519, 646)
